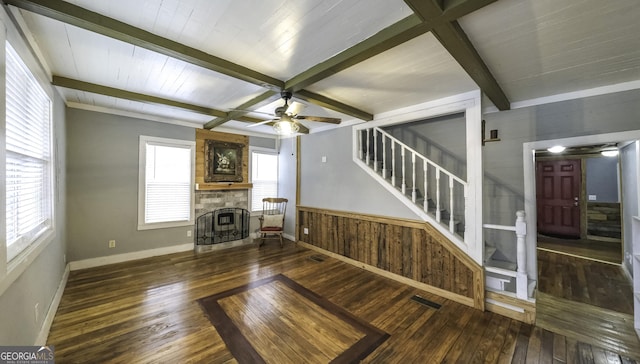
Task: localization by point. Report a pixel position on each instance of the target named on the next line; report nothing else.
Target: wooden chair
(272, 219)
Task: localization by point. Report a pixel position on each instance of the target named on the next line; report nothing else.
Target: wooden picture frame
(223, 161)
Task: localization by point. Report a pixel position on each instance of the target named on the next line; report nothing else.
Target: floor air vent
(426, 302)
(317, 258)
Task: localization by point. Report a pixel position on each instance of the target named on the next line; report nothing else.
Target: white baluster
(451, 224)
(426, 203)
(521, 275)
(466, 203)
(360, 145)
(437, 194)
(375, 150)
(368, 142)
(393, 163)
(404, 179)
(384, 157)
(413, 172)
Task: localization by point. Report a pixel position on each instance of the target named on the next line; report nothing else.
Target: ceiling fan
(287, 118)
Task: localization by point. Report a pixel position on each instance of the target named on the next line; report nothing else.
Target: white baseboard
(119, 258)
(290, 237)
(41, 340)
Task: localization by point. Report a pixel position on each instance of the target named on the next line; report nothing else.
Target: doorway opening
(578, 199)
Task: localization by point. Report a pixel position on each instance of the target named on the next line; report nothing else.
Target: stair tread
(501, 264)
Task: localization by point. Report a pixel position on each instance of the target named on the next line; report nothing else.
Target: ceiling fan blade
(319, 118)
(261, 123)
(295, 108)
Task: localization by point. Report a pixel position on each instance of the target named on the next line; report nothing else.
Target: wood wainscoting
(410, 251)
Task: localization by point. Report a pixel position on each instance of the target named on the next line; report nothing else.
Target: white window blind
(264, 176)
(167, 186)
(28, 156)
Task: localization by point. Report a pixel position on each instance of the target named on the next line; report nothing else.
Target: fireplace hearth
(221, 226)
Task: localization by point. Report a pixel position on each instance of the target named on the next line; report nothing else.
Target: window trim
(262, 150)
(10, 271)
(179, 143)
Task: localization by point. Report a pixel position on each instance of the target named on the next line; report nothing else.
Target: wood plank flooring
(605, 251)
(586, 281)
(147, 311)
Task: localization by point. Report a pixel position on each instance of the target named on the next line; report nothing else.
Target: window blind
(264, 176)
(28, 156)
(167, 183)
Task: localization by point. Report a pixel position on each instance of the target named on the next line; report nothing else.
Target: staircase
(432, 192)
(440, 197)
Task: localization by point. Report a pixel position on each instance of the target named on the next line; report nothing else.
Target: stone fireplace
(221, 203)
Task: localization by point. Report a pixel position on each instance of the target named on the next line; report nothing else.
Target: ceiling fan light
(285, 127)
(556, 149)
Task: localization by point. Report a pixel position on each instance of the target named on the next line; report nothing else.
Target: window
(29, 187)
(166, 183)
(264, 176)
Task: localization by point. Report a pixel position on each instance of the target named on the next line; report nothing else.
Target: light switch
(592, 197)
(324, 159)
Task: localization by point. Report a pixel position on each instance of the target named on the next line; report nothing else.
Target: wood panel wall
(201, 136)
(407, 249)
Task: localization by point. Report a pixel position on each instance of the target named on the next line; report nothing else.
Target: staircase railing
(406, 169)
(520, 229)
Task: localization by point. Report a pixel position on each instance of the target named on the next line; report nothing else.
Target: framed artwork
(223, 161)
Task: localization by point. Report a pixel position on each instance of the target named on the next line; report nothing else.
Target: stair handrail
(425, 159)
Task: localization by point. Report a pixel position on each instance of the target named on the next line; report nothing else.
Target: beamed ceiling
(199, 62)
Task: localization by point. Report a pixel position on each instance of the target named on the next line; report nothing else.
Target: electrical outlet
(306, 231)
(112, 243)
(36, 311)
(188, 233)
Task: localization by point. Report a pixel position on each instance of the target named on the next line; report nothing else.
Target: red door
(558, 197)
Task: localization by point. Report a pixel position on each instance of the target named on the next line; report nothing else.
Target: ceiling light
(609, 153)
(284, 127)
(556, 149)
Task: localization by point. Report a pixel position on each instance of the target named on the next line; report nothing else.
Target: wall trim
(574, 95)
(41, 340)
(119, 258)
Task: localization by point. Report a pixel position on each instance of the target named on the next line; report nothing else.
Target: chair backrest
(274, 206)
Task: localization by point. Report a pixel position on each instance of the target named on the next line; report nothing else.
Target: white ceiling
(533, 48)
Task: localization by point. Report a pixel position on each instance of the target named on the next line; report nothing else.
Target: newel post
(521, 276)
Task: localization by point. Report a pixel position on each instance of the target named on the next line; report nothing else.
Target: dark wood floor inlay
(358, 337)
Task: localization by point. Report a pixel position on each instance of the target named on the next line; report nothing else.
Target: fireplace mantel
(223, 186)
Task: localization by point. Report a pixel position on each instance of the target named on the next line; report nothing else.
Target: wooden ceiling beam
(94, 22)
(263, 98)
(395, 34)
(133, 96)
(453, 38)
(328, 103)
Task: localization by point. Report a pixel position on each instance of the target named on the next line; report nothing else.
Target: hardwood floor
(287, 305)
(604, 251)
(587, 281)
(587, 300)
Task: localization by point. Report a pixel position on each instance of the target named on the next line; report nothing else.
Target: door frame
(529, 170)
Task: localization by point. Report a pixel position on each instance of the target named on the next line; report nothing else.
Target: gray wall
(102, 184)
(38, 284)
(339, 184)
(602, 179)
(287, 182)
(629, 175)
(504, 160)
